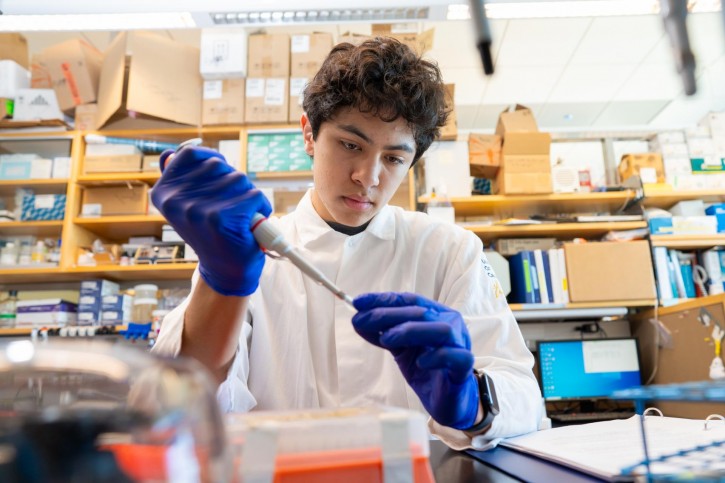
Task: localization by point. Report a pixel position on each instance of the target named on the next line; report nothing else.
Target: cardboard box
(632, 163)
(134, 95)
(13, 77)
(123, 163)
(115, 200)
(484, 154)
(223, 102)
(296, 97)
(36, 104)
(266, 100)
(223, 53)
(74, 67)
(521, 183)
(449, 132)
(151, 163)
(39, 74)
(43, 207)
(419, 42)
(86, 117)
(269, 55)
(609, 271)
(680, 349)
(352, 38)
(520, 119)
(308, 52)
(13, 46)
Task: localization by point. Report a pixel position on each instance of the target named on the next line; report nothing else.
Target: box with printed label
(308, 52)
(61, 167)
(694, 225)
(296, 97)
(266, 100)
(118, 302)
(660, 226)
(39, 313)
(90, 303)
(43, 207)
(89, 318)
(36, 104)
(99, 287)
(268, 55)
(707, 164)
(419, 42)
(631, 165)
(223, 102)
(114, 163)
(223, 53)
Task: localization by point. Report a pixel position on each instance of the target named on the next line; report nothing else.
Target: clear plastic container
(9, 254)
(101, 411)
(39, 251)
(144, 303)
(8, 310)
(354, 445)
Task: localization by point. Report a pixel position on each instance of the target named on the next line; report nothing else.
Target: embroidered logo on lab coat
(495, 285)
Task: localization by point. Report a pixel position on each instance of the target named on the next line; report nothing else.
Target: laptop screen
(586, 369)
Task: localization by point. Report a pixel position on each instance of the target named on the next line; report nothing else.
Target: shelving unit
(53, 185)
(689, 242)
(122, 226)
(666, 199)
(115, 178)
(35, 228)
(489, 233)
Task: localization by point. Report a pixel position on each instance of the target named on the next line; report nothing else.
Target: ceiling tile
(651, 81)
(454, 44)
(706, 33)
(574, 115)
(536, 42)
(629, 113)
(470, 84)
(591, 83)
(521, 84)
(466, 116)
(613, 40)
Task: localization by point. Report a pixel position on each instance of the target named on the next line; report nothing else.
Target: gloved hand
(210, 205)
(431, 344)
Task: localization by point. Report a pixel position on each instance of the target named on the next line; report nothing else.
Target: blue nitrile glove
(431, 345)
(136, 331)
(210, 205)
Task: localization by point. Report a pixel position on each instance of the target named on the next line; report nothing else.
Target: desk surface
(502, 466)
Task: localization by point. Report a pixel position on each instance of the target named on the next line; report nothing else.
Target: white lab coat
(298, 348)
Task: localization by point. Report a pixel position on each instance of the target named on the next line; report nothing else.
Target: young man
(429, 308)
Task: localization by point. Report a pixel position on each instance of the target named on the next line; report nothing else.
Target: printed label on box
(255, 87)
(92, 209)
(44, 202)
(300, 44)
(297, 86)
(213, 89)
(274, 93)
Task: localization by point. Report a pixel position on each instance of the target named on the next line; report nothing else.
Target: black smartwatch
(489, 401)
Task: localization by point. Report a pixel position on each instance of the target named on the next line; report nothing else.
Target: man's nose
(367, 173)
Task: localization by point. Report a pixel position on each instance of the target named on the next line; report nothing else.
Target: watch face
(490, 401)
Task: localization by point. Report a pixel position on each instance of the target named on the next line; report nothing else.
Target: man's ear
(307, 135)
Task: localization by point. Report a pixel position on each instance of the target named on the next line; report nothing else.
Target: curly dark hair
(382, 77)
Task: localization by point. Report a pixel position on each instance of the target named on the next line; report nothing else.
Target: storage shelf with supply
(52, 185)
(489, 233)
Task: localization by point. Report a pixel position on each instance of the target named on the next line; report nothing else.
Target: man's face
(359, 162)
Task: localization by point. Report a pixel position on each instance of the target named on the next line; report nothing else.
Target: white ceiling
(577, 74)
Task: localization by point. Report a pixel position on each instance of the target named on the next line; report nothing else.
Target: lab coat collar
(311, 226)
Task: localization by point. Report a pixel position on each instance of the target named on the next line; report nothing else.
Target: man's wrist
(487, 403)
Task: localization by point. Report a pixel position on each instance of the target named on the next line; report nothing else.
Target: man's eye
(396, 160)
(349, 146)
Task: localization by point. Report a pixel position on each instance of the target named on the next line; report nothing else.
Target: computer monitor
(587, 369)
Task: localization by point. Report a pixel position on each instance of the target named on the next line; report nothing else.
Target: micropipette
(271, 240)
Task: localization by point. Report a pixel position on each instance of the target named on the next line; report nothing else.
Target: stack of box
(44, 313)
(525, 164)
(90, 303)
(307, 52)
(268, 67)
(223, 65)
(116, 309)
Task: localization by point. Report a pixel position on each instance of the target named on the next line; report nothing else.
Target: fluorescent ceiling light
(575, 8)
(98, 21)
(320, 16)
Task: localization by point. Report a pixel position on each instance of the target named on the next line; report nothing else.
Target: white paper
(274, 93)
(255, 87)
(213, 89)
(606, 448)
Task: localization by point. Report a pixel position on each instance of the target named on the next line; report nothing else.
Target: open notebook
(613, 450)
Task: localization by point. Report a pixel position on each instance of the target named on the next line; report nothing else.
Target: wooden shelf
(35, 228)
(584, 305)
(158, 271)
(26, 331)
(281, 175)
(558, 230)
(688, 242)
(32, 275)
(117, 178)
(124, 226)
(524, 205)
(666, 199)
(43, 186)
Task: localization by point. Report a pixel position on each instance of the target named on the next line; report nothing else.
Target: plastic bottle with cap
(8, 310)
